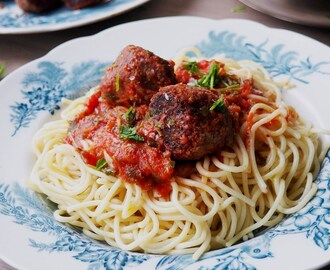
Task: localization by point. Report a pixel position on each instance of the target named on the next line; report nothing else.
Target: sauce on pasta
(181, 164)
(133, 161)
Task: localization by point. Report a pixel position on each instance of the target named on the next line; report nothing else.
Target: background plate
(13, 20)
(306, 12)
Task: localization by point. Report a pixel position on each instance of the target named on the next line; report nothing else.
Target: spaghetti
(266, 173)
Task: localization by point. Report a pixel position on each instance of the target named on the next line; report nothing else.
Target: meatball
(78, 4)
(190, 125)
(135, 77)
(38, 6)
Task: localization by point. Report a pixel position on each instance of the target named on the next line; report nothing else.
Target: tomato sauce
(99, 127)
(185, 74)
(97, 132)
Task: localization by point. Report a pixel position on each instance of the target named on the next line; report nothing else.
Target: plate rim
(67, 43)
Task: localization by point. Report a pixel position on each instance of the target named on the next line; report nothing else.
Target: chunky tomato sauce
(97, 133)
(99, 127)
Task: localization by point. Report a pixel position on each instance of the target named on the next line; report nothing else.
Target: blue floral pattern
(276, 60)
(12, 17)
(42, 91)
(27, 208)
(314, 220)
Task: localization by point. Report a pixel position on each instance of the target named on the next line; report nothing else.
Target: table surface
(17, 50)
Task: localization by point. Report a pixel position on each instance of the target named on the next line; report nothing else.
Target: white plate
(306, 12)
(32, 239)
(13, 20)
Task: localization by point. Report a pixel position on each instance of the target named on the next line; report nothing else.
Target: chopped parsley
(191, 67)
(210, 79)
(234, 87)
(100, 164)
(129, 133)
(129, 115)
(2, 71)
(103, 69)
(238, 9)
(171, 122)
(108, 67)
(218, 105)
(117, 82)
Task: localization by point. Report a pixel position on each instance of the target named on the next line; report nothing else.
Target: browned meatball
(78, 4)
(190, 125)
(135, 77)
(38, 6)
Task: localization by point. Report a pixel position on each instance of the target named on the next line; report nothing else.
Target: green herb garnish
(238, 9)
(171, 122)
(129, 115)
(2, 71)
(218, 105)
(234, 87)
(129, 133)
(100, 164)
(210, 79)
(191, 67)
(103, 69)
(117, 82)
(107, 67)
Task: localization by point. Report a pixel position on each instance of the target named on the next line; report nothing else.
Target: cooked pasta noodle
(229, 197)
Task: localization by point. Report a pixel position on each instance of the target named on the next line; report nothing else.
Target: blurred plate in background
(15, 21)
(306, 12)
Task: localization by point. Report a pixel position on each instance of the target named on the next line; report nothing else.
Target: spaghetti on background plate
(176, 157)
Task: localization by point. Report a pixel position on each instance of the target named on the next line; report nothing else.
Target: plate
(31, 96)
(15, 21)
(306, 12)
